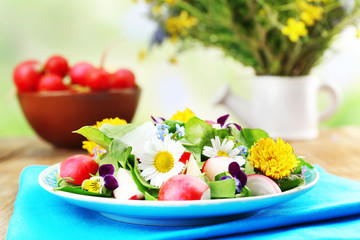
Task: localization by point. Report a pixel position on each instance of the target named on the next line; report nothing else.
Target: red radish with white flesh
(216, 165)
(127, 189)
(261, 185)
(192, 167)
(184, 187)
(78, 167)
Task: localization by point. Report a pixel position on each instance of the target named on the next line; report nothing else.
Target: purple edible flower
(239, 176)
(110, 182)
(222, 120)
(106, 169)
(158, 120)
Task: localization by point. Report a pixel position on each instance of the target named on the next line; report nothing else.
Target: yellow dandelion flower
(358, 33)
(294, 29)
(274, 159)
(183, 116)
(112, 121)
(90, 145)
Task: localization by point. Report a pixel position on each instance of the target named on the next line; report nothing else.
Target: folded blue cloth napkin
(330, 210)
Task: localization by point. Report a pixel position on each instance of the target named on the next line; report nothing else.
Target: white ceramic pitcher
(285, 107)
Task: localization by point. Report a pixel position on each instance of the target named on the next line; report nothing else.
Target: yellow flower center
(164, 161)
(222, 154)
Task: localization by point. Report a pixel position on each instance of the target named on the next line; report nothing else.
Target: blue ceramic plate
(175, 213)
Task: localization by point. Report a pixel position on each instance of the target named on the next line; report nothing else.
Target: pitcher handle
(335, 100)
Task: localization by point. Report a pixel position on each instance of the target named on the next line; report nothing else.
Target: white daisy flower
(160, 160)
(223, 149)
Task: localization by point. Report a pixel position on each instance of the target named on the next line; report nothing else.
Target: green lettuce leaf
(95, 135)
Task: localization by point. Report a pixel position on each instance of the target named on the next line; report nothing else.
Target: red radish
(57, 65)
(51, 82)
(26, 75)
(127, 189)
(98, 80)
(78, 167)
(185, 157)
(122, 78)
(184, 187)
(261, 185)
(192, 167)
(78, 73)
(216, 165)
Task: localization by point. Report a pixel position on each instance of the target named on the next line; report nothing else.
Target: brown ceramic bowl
(54, 115)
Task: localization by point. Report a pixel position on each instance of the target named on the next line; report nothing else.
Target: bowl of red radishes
(58, 99)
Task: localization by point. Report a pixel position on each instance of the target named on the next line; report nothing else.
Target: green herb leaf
(78, 190)
(95, 135)
(119, 152)
(248, 168)
(290, 182)
(149, 197)
(245, 192)
(198, 132)
(250, 136)
(117, 131)
(222, 189)
(172, 125)
(302, 163)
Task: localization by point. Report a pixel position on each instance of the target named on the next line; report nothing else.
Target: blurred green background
(80, 31)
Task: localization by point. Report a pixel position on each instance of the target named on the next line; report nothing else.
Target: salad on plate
(180, 158)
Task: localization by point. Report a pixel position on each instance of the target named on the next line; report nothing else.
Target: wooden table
(336, 150)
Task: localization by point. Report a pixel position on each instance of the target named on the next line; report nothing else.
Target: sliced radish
(192, 167)
(261, 185)
(216, 165)
(127, 188)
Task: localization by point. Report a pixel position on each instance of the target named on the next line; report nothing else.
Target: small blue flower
(162, 131)
(158, 37)
(180, 131)
(243, 150)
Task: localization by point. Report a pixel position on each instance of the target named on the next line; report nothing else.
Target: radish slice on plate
(261, 185)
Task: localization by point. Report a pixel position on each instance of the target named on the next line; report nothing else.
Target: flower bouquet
(282, 38)
(181, 158)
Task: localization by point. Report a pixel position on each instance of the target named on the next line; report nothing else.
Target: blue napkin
(330, 210)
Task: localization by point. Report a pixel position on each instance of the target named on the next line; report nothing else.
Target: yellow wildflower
(171, 2)
(90, 145)
(183, 116)
(173, 60)
(274, 159)
(358, 33)
(180, 25)
(156, 10)
(294, 29)
(310, 13)
(142, 55)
